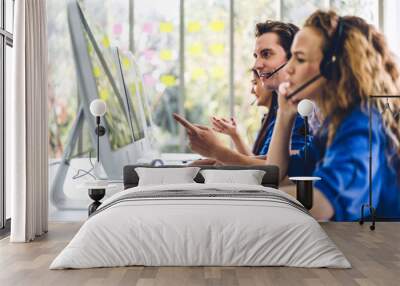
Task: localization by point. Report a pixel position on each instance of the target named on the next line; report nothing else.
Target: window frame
(6, 40)
(231, 89)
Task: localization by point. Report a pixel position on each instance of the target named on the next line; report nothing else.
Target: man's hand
(202, 162)
(204, 141)
(190, 128)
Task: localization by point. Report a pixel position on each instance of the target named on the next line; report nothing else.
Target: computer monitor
(137, 98)
(128, 78)
(142, 95)
(101, 78)
(112, 75)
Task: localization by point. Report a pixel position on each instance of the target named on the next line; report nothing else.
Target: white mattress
(200, 231)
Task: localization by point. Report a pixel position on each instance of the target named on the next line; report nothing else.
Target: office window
(182, 48)
(9, 15)
(154, 34)
(206, 67)
(6, 44)
(294, 13)
(367, 9)
(156, 46)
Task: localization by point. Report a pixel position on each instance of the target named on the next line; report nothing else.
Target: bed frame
(270, 179)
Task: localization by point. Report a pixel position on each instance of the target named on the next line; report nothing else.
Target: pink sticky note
(148, 54)
(148, 27)
(149, 80)
(117, 29)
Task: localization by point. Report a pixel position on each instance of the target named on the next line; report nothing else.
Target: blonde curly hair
(364, 67)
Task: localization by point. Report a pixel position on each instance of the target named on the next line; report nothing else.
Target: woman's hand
(287, 108)
(225, 126)
(204, 141)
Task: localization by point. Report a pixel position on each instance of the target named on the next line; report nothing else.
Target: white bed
(208, 230)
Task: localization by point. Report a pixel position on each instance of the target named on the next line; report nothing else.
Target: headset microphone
(303, 86)
(270, 74)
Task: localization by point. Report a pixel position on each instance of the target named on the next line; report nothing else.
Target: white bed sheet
(200, 231)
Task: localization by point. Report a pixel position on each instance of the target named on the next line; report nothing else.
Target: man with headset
(272, 51)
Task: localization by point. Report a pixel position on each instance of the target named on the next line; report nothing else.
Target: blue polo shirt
(297, 139)
(344, 167)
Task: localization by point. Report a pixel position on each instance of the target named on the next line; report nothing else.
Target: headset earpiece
(329, 60)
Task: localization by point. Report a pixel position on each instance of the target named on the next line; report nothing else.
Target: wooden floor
(375, 257)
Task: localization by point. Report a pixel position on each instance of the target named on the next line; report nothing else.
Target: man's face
(269, 55)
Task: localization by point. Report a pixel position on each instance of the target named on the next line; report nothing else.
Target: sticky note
(117, 29)
(104, 94)
(193, 27)
(189, 104)
(96, 71)
(106, 42)
(217, 49)
(166, 55)
(195, 49)
(166, 27)
(132, 89)
(126, 62)
(217, 72)
(168, 80)
(147, 28)
(217, 26)
(198, 73)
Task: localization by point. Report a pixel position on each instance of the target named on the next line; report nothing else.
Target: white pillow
(248, 177)
(166, 176)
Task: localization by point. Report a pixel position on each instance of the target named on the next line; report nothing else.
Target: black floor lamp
(369, 205)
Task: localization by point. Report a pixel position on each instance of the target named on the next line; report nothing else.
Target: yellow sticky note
(104, 94)
(198, 73)
(126, 63)
(168, 80)
(189, 104)
(90, 49)
(217, 26)
(166, 55)
(132, 89)
(194, 26)
(106, 42)
(166, 27)
(217, 49)
(217, 72)
(96, 71)
(141, 87)
(195, 49)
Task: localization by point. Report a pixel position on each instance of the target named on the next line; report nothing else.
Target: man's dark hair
(284, 31)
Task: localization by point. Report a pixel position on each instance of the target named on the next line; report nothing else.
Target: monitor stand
(57, 195)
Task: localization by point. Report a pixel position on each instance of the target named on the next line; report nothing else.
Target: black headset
(329, 61)
(328, 64)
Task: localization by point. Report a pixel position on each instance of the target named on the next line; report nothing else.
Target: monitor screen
(144, 99)
(104, 70)
(130, 80)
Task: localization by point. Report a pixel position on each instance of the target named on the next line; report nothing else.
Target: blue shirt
(344, 167)
(297, 140)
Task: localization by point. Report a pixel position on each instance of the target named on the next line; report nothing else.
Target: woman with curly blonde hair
(352, 62)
